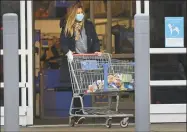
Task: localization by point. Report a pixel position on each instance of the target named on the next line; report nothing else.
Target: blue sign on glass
(89, 65)
(174, 31)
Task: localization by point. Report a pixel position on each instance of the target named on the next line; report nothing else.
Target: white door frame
(165, 112)
(25, 112)
(30, 61)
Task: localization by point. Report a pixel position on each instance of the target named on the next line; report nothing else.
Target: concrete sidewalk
(171, 127)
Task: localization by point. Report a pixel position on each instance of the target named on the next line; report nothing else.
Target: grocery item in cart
(127, 77)
(117, 82)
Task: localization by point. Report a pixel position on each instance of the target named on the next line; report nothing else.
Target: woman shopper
(78, 36)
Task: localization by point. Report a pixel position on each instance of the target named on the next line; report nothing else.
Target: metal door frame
(165, 112)
(25, 111)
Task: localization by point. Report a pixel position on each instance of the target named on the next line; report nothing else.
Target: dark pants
(65, 80)
(77, 106)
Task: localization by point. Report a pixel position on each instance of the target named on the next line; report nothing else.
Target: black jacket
(68, 43)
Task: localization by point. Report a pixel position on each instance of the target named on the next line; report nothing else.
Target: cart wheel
(72, 122)
(124, 123)
(109, 123)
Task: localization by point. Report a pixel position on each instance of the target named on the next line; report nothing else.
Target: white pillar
(142, 66)
(11, 72)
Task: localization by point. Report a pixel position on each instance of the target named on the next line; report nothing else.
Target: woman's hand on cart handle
(70, 56)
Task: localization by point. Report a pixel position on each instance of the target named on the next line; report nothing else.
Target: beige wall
(48, 26)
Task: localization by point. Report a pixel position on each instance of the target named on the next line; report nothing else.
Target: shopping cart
(89, 75)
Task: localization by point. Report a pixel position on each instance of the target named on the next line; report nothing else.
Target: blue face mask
(79, 17)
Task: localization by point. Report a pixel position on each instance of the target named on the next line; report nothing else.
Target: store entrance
(51, 101)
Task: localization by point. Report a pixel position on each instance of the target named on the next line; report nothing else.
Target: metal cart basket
(95, 75)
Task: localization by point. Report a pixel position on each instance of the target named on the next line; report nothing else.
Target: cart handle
(95, 54)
